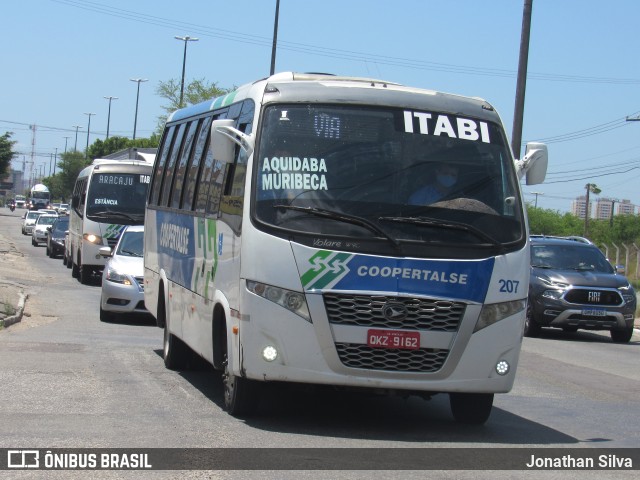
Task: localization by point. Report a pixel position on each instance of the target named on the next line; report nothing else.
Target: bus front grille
(369, 311)
(423, 360)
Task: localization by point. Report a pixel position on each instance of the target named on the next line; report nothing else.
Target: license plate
(594, 312)
(393, 339)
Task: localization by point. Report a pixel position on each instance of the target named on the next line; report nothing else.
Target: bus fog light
(502, 367)
(269, 353)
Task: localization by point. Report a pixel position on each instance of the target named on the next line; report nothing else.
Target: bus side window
(181, 168)
(158, 174)
(168, 176)
(193, 172)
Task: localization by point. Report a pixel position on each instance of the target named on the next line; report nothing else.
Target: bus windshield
(117, 197)
(399, 176)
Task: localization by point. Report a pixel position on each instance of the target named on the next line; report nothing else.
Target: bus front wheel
(240, 394)
(471, 408)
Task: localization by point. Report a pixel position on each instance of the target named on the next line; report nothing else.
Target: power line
(333, 52)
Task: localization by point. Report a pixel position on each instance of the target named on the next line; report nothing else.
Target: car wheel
(33, 242)
(622, 336)
(75, 270)
(64, 259)
(471, 408)
(105, 316)
(531, 328)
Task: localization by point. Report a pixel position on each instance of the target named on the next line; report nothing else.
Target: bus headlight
(495, 312)
(292, 301)
(95, 239)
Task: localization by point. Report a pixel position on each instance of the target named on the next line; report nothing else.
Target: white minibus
(291, 237)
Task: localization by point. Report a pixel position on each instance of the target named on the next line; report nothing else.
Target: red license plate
(393, 339)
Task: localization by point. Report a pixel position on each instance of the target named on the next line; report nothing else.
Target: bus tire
(471, 408)
(240, 394)
(175, 352)
(85, 274)
(75, 270)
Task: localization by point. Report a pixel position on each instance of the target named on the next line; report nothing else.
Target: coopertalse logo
(328, 268)
(113, 231)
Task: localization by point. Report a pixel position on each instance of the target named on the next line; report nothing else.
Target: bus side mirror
(223, 137)
(534, 163)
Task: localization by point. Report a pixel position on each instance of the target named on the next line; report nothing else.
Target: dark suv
(574, 286)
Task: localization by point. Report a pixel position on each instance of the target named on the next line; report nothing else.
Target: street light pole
(275, 38)
(75, 148)
(135, 120)
(65, 143)
(86, 152)
(109, 114)
(185, 39)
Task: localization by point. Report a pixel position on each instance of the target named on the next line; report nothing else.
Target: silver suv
(573, 286)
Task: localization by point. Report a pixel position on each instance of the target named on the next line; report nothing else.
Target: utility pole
(521, 84)
(536, 194)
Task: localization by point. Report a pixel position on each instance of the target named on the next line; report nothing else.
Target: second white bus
(108, 195)
(282, 244)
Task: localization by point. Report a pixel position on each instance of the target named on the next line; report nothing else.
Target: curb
(18, 316)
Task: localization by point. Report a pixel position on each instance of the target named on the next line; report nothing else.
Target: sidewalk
(12, 302)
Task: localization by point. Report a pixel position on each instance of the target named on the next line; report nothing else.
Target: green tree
(102, 148)
(62, 183)
(6, 152)
(196, 91)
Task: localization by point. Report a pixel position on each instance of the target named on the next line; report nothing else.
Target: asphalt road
(69, 380)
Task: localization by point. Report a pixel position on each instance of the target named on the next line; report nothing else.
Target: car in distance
(29, 220)
(123, 276)
(39, 234)
(573, 286)
(55, 236)
(63, 209)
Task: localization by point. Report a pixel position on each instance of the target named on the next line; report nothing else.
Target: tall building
(579, 206)
(602, 208)
(625, 207)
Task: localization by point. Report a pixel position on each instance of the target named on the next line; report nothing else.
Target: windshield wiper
(133, 254)
(432, 222)
(110, 213)
(343, 217)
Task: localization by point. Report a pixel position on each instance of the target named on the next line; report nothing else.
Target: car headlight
(628, 293)
(95, 239)
(292, 301)
(553, 294)
(115, 276)
(494, 312)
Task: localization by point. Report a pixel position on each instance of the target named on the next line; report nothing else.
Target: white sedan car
(39, 233)
(123, 276)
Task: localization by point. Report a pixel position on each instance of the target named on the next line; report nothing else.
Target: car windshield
(61, 225)
(569, 257)
(131, 244)
(46, 220)
(368, 174)
(33, 215)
